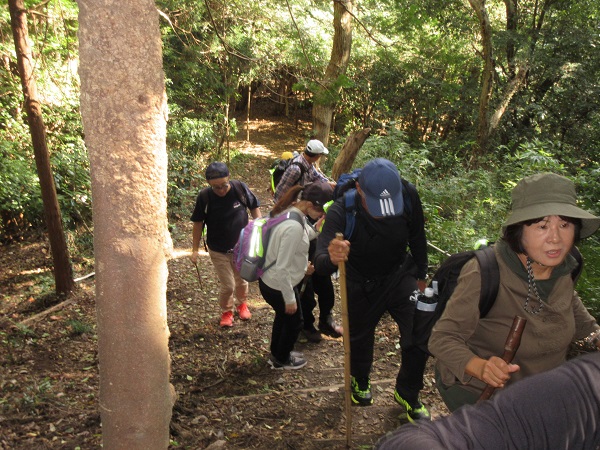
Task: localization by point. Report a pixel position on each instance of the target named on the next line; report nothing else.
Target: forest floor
(227, 394)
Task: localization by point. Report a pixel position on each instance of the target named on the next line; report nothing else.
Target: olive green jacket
(460, 334)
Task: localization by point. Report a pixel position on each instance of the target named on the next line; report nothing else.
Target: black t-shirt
(224, 218)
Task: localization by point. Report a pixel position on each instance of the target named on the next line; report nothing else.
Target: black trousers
(322, 286)
(367, 302)
(286, 327)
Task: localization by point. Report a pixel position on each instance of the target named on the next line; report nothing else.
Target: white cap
(316, 147)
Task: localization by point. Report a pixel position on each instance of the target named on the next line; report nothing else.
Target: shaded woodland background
(464, 106)
(466, 97)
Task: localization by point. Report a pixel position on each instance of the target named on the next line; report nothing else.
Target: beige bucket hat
(548, 194)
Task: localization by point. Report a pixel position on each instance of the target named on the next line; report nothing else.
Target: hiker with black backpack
(301, 169)
(223, 207)
(381, 275)
(287, 262)
(535, 267)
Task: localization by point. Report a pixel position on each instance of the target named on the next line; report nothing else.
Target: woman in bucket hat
(535, 263)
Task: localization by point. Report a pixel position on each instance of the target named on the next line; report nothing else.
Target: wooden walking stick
(513, 340)
(346, 337)
(199, 277)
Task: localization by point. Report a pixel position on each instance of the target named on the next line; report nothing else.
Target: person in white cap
(302, 170)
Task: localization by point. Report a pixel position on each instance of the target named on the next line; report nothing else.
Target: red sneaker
(244, 312)
(227, 319)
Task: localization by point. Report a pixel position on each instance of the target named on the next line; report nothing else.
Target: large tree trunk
(326, 99)
(343, 163)
(483, 131)
(63, 271)
(124, 111)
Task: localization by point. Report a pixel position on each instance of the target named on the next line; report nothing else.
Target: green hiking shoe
(414, 412)
(361, 392)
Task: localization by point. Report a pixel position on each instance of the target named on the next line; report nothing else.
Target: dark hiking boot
(312, 335)
(330, 328)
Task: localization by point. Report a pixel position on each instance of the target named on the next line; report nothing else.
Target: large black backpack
(445, 279)
(279, 167)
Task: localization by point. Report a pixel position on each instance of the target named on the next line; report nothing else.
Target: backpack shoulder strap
(302, 170)
(490, 279)
(575, 253)
(406, 195)
(204, 196)
(350, 208)
(239, 192)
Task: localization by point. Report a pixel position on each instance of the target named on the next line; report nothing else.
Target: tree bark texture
(326, 99)
(487, 81)
(124, 112)
(354, 142)
(63, 271)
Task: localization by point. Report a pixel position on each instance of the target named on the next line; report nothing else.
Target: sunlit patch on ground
(183, 252)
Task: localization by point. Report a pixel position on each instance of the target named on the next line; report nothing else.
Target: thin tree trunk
(511, 89)
(124, 111)
(63, 271)
(487, 82)
(326, 99)
(348, 153)
(248, 113)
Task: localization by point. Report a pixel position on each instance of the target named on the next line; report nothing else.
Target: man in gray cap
(223, 208)
(380, 275)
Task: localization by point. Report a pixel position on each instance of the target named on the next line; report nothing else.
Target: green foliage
(414, 78)
(77, 327)
(184, 175)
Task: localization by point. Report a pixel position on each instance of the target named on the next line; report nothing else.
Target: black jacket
(378, 246)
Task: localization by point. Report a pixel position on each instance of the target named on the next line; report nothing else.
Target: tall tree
(63, 271)
(124, 111)
(326, 98)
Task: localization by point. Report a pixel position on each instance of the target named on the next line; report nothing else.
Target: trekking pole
(198, 272)
(513, 340)
(346, 337)
(304, 283)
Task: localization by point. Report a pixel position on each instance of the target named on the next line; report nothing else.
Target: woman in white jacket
(288, 250)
